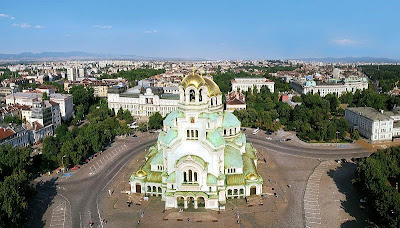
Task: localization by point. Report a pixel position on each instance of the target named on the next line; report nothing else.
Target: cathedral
(201, 157)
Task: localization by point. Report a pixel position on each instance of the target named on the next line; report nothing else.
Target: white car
(268, 138)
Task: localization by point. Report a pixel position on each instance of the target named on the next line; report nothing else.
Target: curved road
(82, 189)
(321, 152)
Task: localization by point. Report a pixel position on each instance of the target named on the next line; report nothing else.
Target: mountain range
(79, 55)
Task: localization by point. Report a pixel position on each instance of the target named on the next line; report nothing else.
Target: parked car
(75, 168)
(134, 136)
(87, 160)
(268, 138)
(288, 139)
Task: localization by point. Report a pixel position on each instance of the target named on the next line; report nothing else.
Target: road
(81, 190)
(83, 187)
(295, 148)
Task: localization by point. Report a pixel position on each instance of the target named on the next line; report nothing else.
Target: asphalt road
(293, 147)
(82, 189)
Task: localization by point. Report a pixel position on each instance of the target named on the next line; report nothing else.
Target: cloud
(150, 31)
(12, 18)
(39, 27)
(4, 15)
(102, 26)
(22, 25)
(345, 42)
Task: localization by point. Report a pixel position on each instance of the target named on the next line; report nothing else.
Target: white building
(235, 101)
(349, 84)
(72, 74)
(201, 157)
(64, 100)
(144, 102)
(372, 124)
(15, 135)
(244, 84)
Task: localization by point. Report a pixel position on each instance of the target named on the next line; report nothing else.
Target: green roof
(171, 177)
(153, 177)
(251, 151)
(233, 158)
(215, 138)
(171, 135)
(235, 179)
(157, 159)
(152, 151)
(241, 139)
(171, 117)
(194, 157)
(212, 116)
(230, 120)
(211, 179)
(248, 166)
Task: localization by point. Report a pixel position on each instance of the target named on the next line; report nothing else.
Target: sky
(218, 29)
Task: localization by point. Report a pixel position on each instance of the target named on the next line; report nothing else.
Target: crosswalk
(312, 212)
(101, 160)
(58, 216)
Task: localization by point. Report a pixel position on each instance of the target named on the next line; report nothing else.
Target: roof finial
(193, 69)
(201, 72)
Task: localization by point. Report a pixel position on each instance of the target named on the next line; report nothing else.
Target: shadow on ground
(342, 176)
(46, 191)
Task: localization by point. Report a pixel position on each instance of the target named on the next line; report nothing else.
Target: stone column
(195, 204)
(185, 204)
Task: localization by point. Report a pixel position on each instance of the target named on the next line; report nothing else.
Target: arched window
(187, 134)
(190, 175)
(212, 102)
(192, 95)
(148, 188)
(230, 192)
(200, 95)
(235, 192)
(230, 131)
(159, 189)
(241, 191)
(154, 189)
(184, 177)
(224, 131)
(197, 134)
(192, 133)
(195, 176)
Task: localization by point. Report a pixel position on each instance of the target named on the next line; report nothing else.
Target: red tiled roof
(6, 132)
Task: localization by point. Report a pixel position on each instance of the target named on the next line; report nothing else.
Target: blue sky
(208, 29)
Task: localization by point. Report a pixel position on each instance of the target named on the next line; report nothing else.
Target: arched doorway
(201, 202)
(253, 190)
(180, 201)
(138, 188)
(190, 202)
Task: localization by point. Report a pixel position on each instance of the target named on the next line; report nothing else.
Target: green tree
(50, 151)
(142, 127)
(156, 121)
(44, 96)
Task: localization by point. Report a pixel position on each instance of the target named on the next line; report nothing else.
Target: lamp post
(62, 161)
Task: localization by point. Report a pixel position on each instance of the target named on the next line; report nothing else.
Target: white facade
(66, 103)
(372, 124)
(13, 135)
(201, 157)
(244, 84)
(352, 85)
(142, 104)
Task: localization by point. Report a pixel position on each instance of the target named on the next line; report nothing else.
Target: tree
(355, 135)
(12, 119)
(50, 151)
(156, 121)
(142, 127)
(44, 96)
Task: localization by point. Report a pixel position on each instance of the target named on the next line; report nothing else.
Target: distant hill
(78, 55)
(351, 60)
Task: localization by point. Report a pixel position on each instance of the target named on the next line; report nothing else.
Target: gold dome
(197, 81)
(193, 80)
(140, 173)
(251, 176)
(212, 87)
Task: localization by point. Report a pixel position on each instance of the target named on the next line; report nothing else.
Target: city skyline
(211, 30)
